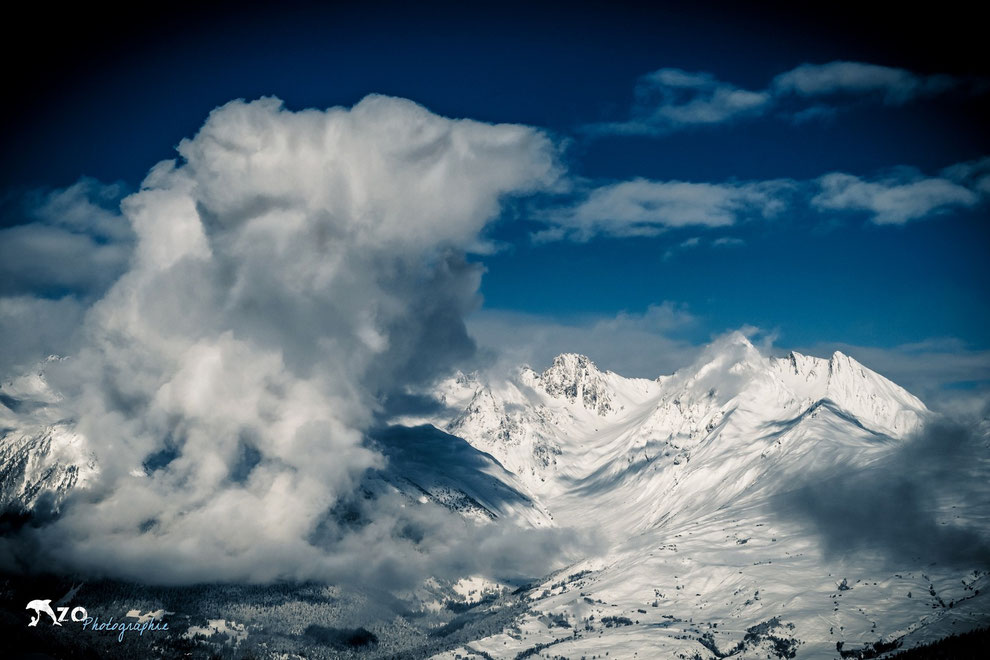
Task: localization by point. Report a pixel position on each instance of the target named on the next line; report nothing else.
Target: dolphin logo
(40, 607)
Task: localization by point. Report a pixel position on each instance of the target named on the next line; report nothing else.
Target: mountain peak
(725, 359)
(576, 377)
(735, 346)
(573, 359)
(859, 390)
(840, 361)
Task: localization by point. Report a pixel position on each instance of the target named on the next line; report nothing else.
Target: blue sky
(694, 127)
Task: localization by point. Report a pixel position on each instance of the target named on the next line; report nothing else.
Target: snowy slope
(868, 396)
(428, 464)
(574, 424)
(684, 477)
(41, 455)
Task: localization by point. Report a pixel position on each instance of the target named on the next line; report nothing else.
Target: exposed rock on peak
(576, 377)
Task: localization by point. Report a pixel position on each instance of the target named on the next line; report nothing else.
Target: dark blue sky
(106, 95)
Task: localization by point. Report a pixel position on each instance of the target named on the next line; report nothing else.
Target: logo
(40, 607)
(144, 622)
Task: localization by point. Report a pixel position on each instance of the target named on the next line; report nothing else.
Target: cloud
(287, 272)
(686, 244)
(644, 345)
(973, 174)
(696, 241)
(640, 207)
(896, 199)
(669, 100)
(894, 86)
(39, 258)
(728, 241)
(33, 328)
(60, 251)
(87, 206)
(646, 208)
(921, 501)
(70, 241)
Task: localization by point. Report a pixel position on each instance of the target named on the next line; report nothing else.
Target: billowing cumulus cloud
(669, 100)
(287, 272)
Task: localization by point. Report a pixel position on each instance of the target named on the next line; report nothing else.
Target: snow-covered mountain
(42, 457)
(686, 477)
(688, 482)
(608, 425)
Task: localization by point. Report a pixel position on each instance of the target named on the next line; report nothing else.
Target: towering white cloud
(288, 271)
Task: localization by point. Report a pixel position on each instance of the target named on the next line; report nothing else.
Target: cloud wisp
(671, 99)
(896, 199)
(283, 276)
(642, 207)
(69, 241)
(632, 344)
(858, 79)
(65, 248)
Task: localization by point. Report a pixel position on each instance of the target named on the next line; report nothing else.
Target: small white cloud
(646, 208)
(895, 86)
(728, 241)
(641, 207)
(894, 200)
(686, 244)
(668, 99)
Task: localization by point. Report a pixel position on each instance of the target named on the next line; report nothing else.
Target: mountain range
(731, 506)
